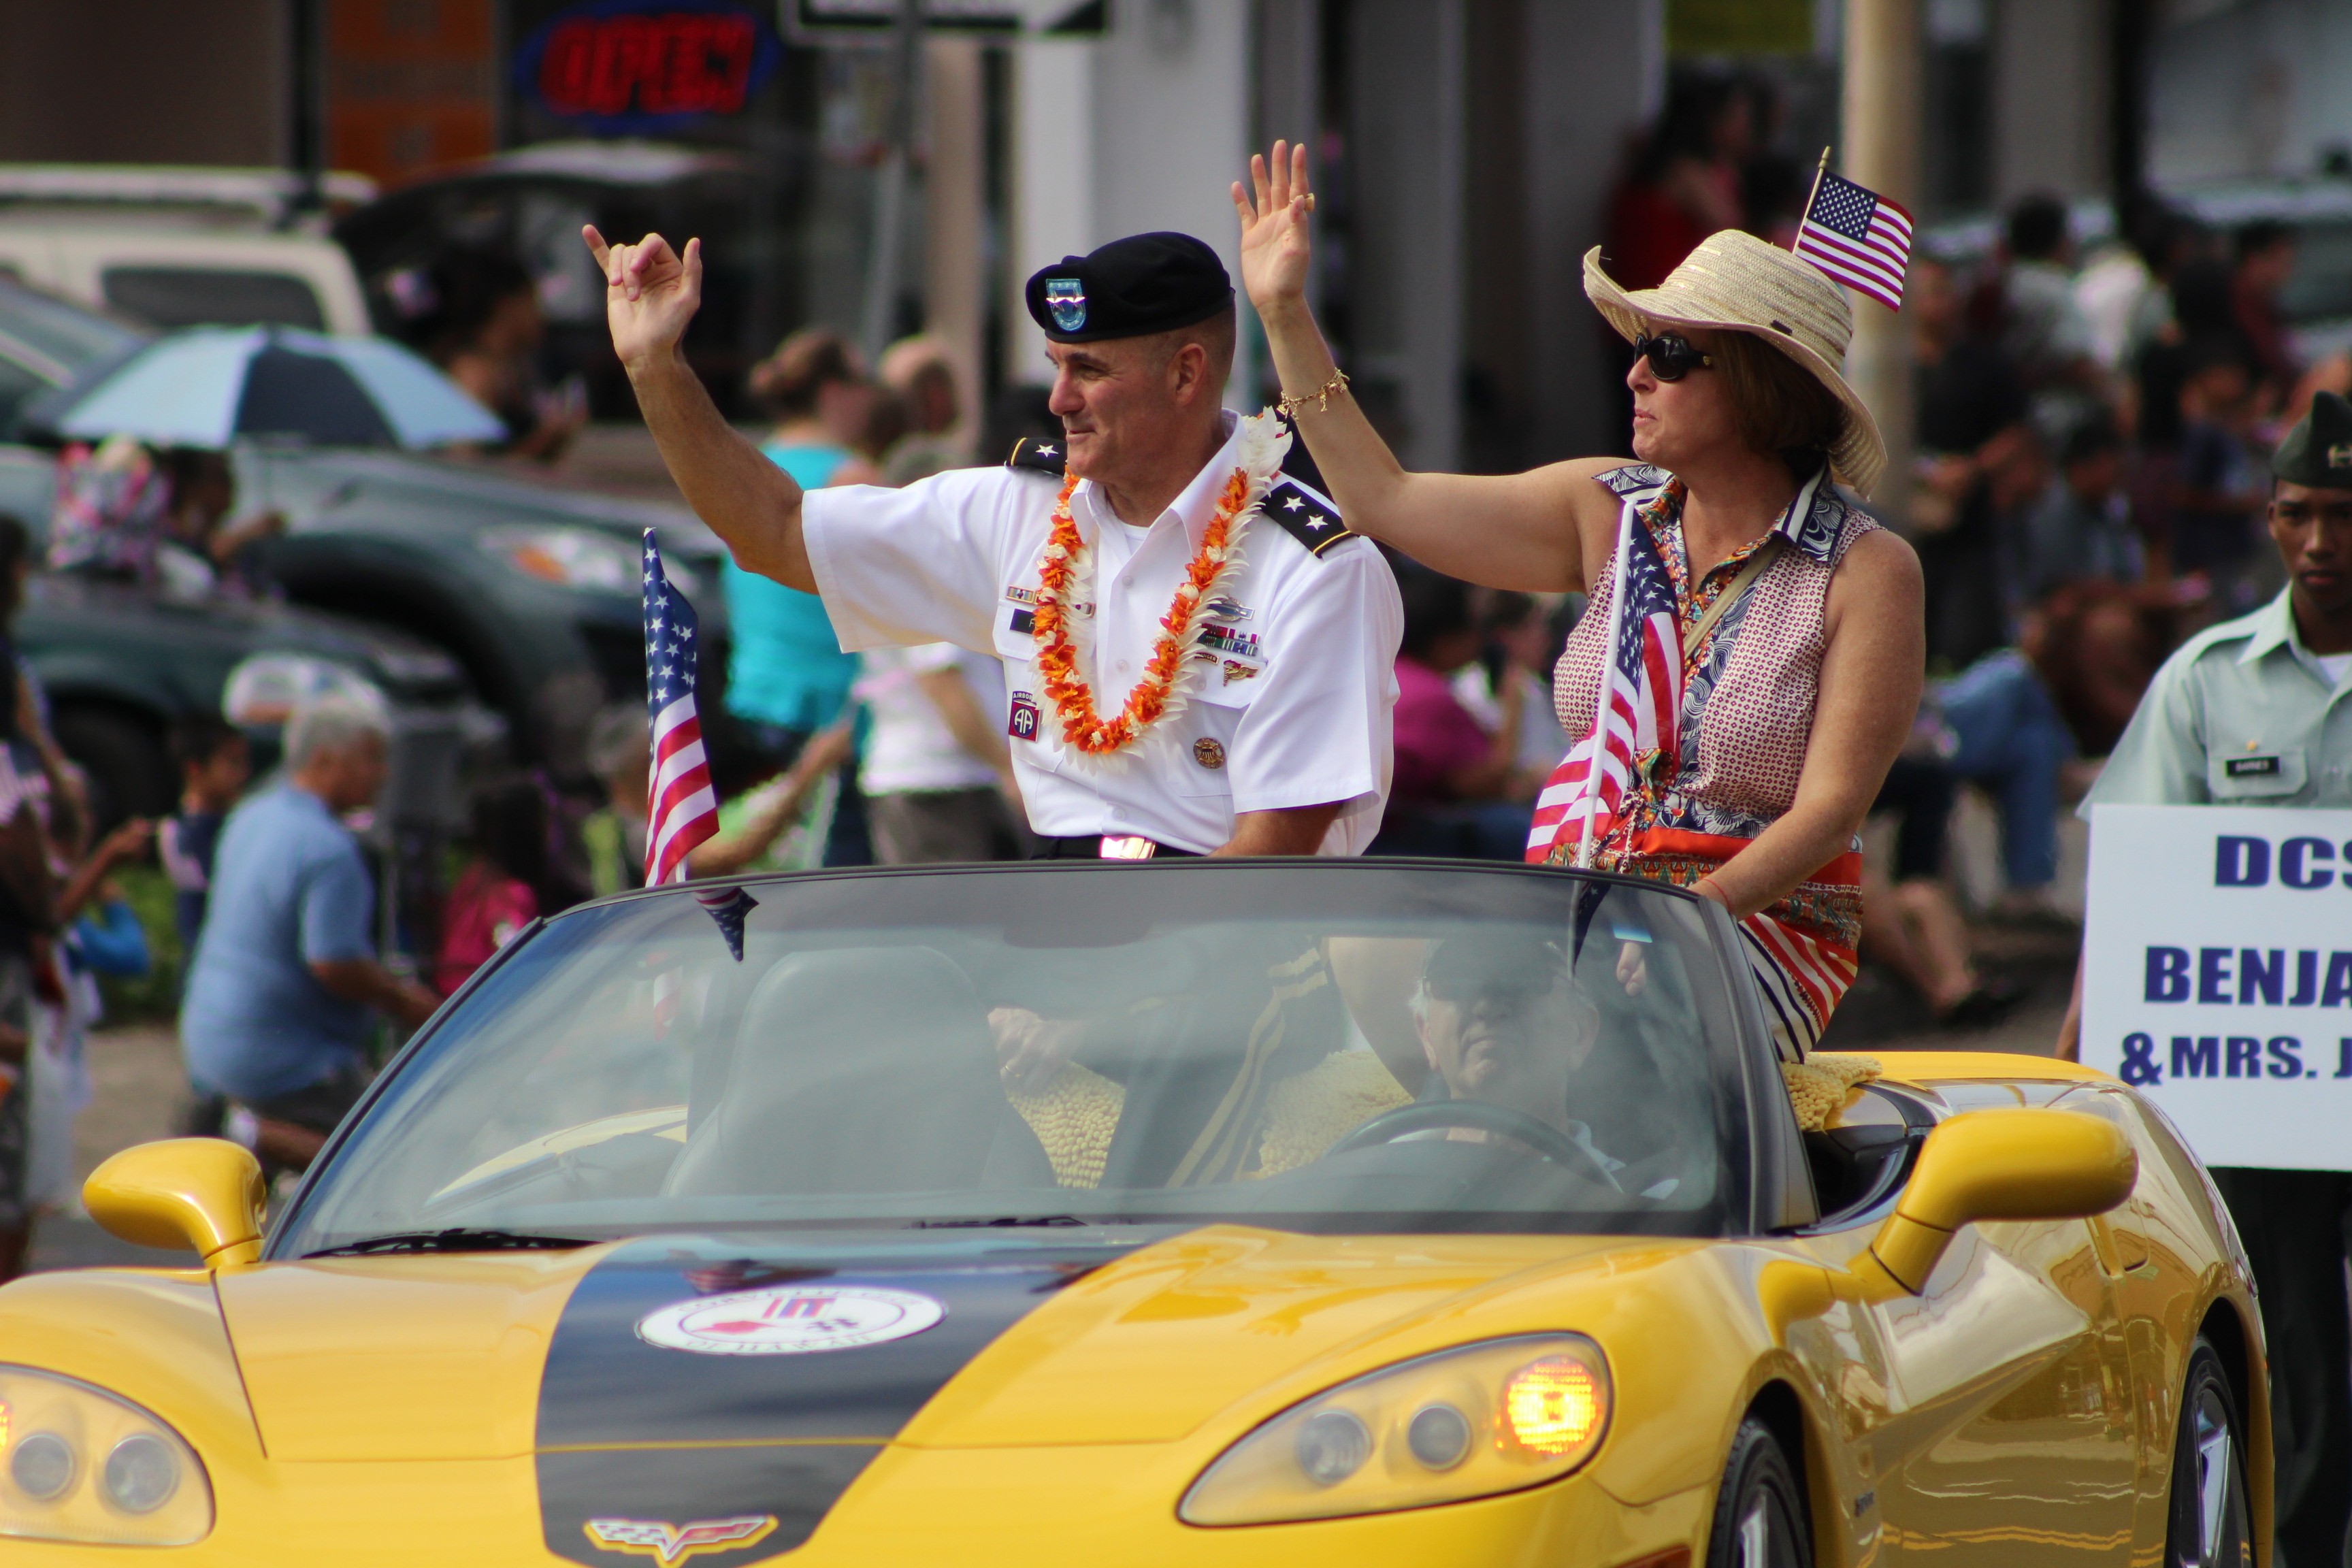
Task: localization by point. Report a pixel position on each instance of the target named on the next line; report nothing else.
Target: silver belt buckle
(1128, 846)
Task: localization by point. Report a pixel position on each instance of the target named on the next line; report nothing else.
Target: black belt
(1088, 847)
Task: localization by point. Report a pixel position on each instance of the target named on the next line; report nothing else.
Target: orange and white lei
(1065, 577)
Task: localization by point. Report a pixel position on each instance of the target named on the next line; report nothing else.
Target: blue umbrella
(210, 387)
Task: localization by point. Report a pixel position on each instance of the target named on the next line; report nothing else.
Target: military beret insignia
(1129, 289)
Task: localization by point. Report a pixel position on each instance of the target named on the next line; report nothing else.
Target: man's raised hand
(651, 292)
(1273, 212)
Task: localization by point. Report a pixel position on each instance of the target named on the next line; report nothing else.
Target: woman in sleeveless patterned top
(1758, 643)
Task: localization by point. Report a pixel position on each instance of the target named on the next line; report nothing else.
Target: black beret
(2318, 450)
(1129, 289)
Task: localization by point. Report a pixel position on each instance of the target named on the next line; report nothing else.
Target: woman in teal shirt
(786, 675)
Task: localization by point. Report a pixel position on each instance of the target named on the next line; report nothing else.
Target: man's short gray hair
(331, 724)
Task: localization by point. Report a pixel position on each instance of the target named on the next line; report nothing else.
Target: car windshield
(1357, 1045)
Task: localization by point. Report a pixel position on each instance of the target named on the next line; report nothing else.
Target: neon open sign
(627, 65)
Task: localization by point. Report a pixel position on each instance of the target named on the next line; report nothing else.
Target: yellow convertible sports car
(1168, 1212)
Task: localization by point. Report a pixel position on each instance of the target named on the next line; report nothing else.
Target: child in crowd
(1523, 643)
(505, 887)
(216, 763)
(749, 825)
(2081, 527)
(2221, 489)
(614, 835)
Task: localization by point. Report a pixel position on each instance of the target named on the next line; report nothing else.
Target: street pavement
(136, 1073)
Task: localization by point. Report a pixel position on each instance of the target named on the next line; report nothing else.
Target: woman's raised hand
(651, 292)
(1274, 251)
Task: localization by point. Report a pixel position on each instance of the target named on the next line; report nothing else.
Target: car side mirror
(2005, 1165)
(204, 1194)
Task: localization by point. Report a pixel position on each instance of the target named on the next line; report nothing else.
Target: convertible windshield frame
(1759, 1194)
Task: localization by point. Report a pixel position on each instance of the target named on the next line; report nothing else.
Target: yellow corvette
(1183, 1213)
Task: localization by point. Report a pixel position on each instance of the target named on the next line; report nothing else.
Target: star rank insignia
(1038, 456)
(1306, 515)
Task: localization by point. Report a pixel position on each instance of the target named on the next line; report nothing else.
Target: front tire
(2210, 1525)
(1759, 1511)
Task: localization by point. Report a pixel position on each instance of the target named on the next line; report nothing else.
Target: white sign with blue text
(2218, 975)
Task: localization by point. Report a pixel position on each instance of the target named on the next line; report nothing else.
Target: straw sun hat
(1737, 282)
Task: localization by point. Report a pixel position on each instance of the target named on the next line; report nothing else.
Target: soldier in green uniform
(2258, 712)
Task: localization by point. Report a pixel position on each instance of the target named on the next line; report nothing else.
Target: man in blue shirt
(284, 974)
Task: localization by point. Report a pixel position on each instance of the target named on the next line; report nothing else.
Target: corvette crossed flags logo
(670, 1543)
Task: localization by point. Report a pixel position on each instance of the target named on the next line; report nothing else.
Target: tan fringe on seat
(1818, 1084)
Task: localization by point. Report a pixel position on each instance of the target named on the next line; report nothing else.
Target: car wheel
(129, 775)
(2209, 1526)
(1759, 1513)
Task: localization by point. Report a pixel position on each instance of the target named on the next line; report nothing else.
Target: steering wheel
(1486, 1117)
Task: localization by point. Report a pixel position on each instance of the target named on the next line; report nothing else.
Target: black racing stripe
(594, 1505)
(804, 1425)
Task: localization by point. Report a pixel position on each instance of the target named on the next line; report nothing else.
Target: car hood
(1080, 1336)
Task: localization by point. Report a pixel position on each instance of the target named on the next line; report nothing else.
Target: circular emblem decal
(791, 1320)
(1209, 754)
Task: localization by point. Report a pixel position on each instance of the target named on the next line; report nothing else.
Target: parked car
(532, 589)
(533, 202)
(121, 663)
(180, 247)
(1361, 1211)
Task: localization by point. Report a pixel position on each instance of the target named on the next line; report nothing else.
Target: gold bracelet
(1288, 406)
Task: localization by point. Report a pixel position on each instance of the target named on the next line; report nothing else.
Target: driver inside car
(1501, 1020)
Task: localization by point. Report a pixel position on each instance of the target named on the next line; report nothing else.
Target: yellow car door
(2011, 1423)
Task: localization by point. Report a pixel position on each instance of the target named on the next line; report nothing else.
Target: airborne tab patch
(1307, 516)
(1038, 456)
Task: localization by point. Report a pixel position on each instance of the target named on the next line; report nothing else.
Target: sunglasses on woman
(1672, 356)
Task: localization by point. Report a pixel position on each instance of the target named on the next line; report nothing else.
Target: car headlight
(579, 558)
(267, 688)
(77, 1463)
(1487, 1418)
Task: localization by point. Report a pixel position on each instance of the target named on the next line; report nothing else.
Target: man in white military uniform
(1199, 658)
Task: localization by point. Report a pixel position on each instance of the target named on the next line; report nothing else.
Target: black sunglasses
(1672, 356)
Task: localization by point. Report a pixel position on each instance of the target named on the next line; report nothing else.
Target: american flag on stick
(1640, 706)
(682, 808)
(1857, 236)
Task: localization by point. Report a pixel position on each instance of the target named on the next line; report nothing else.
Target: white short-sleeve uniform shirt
(1290, 705)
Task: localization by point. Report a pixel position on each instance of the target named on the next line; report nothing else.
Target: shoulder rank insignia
(1308, 515)
(1038, 456)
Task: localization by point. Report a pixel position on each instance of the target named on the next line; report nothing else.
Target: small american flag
(1640, 706)
(683, 805)
(1858, 238)
(684, 809)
